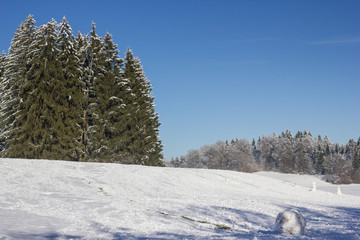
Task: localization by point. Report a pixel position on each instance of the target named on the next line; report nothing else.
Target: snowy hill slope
(42, 199)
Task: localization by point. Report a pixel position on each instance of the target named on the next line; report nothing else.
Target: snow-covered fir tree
(319, 168)
(113, 94)
(36, 133)
(2, 64)
(94, 72)
(15, 70)
(3, 89)
(71, 98)
(267, 156)
(284, 151)
(304, 149)
(144, 142)
(328, 164)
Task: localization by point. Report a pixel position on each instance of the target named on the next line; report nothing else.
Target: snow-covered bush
(290, 222)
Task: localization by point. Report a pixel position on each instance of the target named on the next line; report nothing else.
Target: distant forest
(73, 98)
(302, 154)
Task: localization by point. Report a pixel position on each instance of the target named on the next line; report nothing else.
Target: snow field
(42, 199)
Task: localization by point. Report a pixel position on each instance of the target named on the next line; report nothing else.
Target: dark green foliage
(94, 72)
(72, 99)
(142, 137)
(69, 95)
(36, 133)
(15, 69)
(3, 90)
(2, 64)
(114, 94)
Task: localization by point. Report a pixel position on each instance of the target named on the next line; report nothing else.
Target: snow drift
(42, 199)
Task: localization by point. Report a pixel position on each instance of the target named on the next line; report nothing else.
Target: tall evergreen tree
(303, 152)
(113, 90)
(145, 145)
(328, 164)
(3, 88)
(15, 69)
(2, 64)
(69, 95)
(36, 133)
(267, 154)
(71, 99)
(83, 56)
(284, 151)
(320, 160)
(93, 70)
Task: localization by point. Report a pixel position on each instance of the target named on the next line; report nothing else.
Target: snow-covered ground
(42, 199)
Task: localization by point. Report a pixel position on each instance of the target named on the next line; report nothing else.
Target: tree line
(284, 153)
(74, 98)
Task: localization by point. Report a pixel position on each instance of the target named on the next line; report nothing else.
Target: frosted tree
(328, 164)
(3, 88)
(2, 64)
(284, 152)
(356, 165)
(143, 139)
(193, 159)
(319, 156)
(304, 150)
(112, 92)
(356, 155)
(267, 156)
(68, 95)
(223, 158)
(36, 131)
(93, 73)
(242, 153)
(211, 157)
(83, 56)
(342, 168)
(15, 69)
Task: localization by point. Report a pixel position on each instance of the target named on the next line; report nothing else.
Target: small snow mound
(338, 192)
(290, 222)
(313, 187)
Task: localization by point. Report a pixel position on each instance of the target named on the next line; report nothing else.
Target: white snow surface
(42, 199)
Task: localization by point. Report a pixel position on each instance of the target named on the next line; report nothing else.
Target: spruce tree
(72, 99)
(3, 88)
(69, 96)
(328, 165)
(143, 126)
(2, 64)
(83, 56)
(93, 70)
(284, 151)
(15, 70)
(113, 90)
(320, 160)
(36, 133)
(303, 152)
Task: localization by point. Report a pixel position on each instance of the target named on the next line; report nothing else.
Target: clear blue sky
(227, 69)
